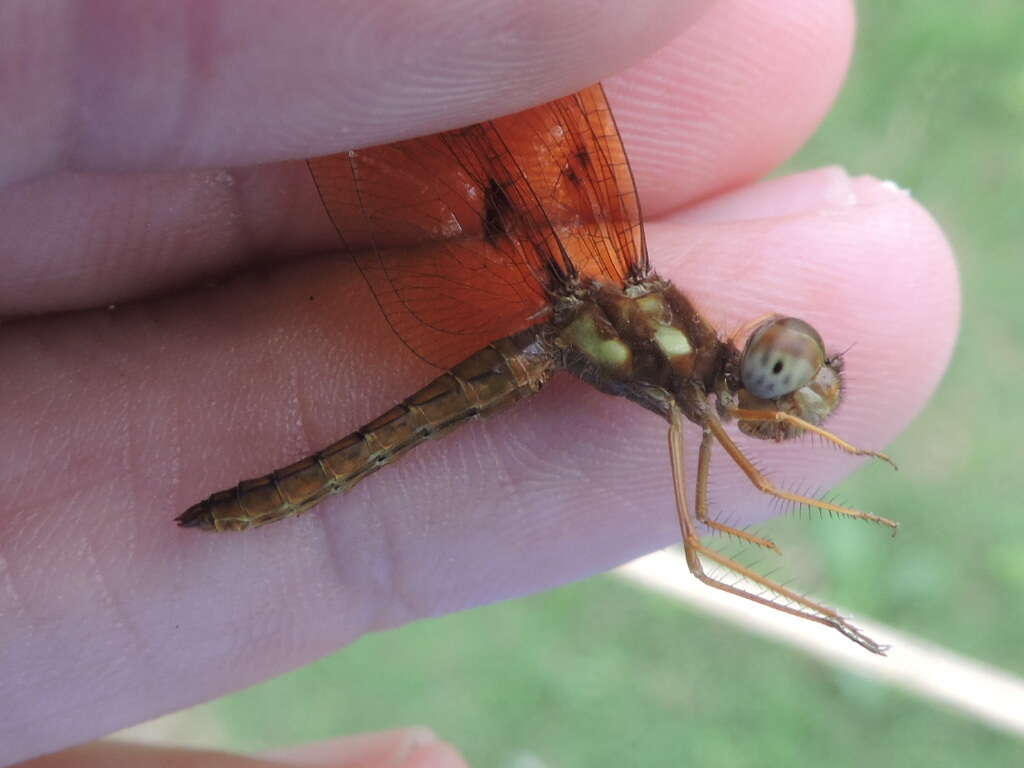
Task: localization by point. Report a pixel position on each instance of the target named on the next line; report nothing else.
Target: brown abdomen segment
(499, 374)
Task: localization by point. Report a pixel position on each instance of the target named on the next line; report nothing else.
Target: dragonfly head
(784, 367)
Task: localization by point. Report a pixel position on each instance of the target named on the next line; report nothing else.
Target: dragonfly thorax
(645, 342)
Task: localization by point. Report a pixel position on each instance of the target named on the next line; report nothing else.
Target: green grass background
(601, 674)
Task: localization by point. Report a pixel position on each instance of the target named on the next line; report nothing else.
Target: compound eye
(782, 355)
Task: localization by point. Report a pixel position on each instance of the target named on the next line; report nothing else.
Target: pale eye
(782, 355)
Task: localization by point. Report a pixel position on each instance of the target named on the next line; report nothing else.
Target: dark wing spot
(497, 208)
(572, 176)
(777, 368)
(583, 156)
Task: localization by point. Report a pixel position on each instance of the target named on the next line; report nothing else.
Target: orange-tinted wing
(464, 236)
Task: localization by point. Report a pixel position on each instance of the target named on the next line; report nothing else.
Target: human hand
(114, 422)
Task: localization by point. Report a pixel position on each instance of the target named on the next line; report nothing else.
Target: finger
(409, 748)
(121, 86)
(120, 420)
(82, 240)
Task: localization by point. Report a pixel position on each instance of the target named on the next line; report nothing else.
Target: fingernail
(868, 189)
(821, 188)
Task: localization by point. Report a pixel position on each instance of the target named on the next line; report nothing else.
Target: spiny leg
(703, 472)
(693, 548)
(746, 414)
(765, 485)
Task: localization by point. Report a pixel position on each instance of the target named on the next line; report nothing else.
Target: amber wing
(465, 236)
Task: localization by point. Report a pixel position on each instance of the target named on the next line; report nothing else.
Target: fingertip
(858, 258)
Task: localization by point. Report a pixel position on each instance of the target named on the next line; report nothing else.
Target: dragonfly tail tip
(193, 517)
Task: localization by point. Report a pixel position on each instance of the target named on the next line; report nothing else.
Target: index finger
(125, 86)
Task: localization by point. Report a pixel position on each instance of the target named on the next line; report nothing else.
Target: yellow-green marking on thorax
(583, 334)
(672, 341)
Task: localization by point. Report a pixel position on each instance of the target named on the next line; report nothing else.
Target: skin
(217, 365)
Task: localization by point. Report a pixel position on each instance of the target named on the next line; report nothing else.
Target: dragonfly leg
(763, 484)
(747, 414)
(703, 472)
(694, 549)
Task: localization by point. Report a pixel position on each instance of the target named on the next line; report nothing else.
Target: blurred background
(604, 673)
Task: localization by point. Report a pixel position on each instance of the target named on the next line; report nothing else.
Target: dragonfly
(507, 251)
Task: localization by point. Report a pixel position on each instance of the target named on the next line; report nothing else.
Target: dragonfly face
(784, 367)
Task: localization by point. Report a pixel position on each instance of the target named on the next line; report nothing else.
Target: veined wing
(465, 236)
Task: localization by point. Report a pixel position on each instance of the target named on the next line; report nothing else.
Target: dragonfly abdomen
(498, 375)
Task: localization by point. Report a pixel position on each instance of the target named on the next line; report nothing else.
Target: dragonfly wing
(465, 236)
